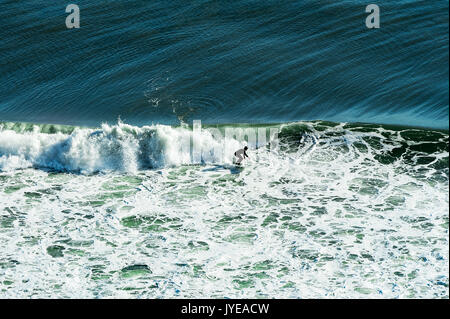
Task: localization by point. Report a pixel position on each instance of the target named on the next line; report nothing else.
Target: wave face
(225, 62)
(122, 148)
(128, 149)
(330, 210)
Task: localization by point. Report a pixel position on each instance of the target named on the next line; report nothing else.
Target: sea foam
(120, 147)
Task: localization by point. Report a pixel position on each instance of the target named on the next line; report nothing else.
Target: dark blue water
(224, 62)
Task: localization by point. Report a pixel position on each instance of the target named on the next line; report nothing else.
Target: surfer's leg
(240, 158)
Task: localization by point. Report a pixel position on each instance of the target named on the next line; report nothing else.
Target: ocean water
(335, 210)
(247, 61)
(102, 194)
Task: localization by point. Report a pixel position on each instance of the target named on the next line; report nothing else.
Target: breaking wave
(126, 148)
(323, 210)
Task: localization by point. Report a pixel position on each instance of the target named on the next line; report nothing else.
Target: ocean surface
(224, 62)
(102, 195)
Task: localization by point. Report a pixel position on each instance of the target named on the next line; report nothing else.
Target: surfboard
(235, 169)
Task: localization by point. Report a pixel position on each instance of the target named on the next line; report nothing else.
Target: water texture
(102, 195)
(335, 211)
(224, 62)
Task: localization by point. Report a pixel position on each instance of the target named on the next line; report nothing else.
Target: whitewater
(321, 210)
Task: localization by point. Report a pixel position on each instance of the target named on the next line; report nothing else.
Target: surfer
(241, 154)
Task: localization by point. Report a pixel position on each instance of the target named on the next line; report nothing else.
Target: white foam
(326, 220)
(120, 147)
